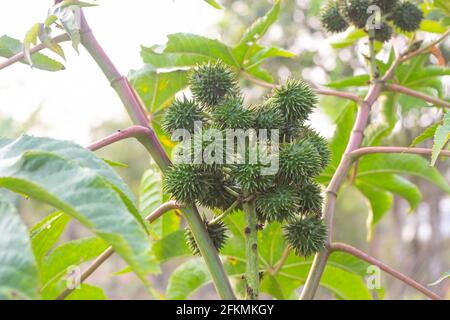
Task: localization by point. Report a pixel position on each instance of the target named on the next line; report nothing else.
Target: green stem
(136, 111)
(251, 246)
(226, 212)
(374, 72)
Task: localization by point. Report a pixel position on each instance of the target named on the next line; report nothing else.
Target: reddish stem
(396, 274)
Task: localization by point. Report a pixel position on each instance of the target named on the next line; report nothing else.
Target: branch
(20, 56)
(251, 251)
(355, 141)
(364, 256)
(373, 150)
(317, 89)
(416, 94)
(165, 207)
(136, 110)
(131, 132)
(425, 49)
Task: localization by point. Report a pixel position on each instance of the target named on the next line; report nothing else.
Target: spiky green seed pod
(182, 114)
(311, 199)
(217, 232)
(295, 100)
(319, 142)
(407, 17)
(332, 19)
(212, 82)
(386, 6)
(215, 195)
(267, 117)
(186, 182)
(250, 177)
(231, 114)
(279, 204)
(384, 33)
(306, 235)
(299, 162)
(355, 12)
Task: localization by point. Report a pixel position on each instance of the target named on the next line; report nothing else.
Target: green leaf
(355, 81)
(171, 60)
(443, 5)
(157, 89)
(396, 184)
(195, 45)
(171, 246)
(441, 137)
(444, 276)
(380, 202)
(87, 292)
(10, 47)
(151, 197)
(260, 26)
(214, 4)
(432, 26)
(408, 164)
(46, 39)
(344, 125)
(46, 233)
(348, 38)
(19, 277)
(72, 253)
(427, 134)
(30, 38)
(66, 176)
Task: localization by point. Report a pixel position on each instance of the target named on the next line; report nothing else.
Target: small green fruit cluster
(289, 196)
(338, 15)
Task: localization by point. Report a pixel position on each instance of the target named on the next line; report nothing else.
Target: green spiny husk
(212, 82)
(310, 198)
(306, 235)
(332, 19)
(278, 204)
(231, 114)
(218, 232)
(355, 12)
(182, 114)
(407, 17)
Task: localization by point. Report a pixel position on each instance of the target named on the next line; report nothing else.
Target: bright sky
(79, 98)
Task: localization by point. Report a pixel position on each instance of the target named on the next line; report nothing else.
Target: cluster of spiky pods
(290, 195)
(338, 15)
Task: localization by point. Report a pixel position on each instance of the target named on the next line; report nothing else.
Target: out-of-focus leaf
(10, 47)
(355, 81)
(19, 278)
(157, 89)
(151, 197)
(344, 125)
(87, 292)
(396, 184)
(443, 5)
(260, 26)
(73, 180)
(380, 202)
(30, 38)
(171, 246)
(432, 26)
(441, 137)
(348, 38)
(214, 4)
(191, 44)
(46, 233)
(408, 164)
(427, 134)
(46, 39)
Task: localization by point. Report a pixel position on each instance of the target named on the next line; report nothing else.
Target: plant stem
(282, 261)
(373, 67)
(136, 111)
(356, 138)
(373, 150)
(20, 56)
(226, 212)
(317, 89)
(251, 247)
(165, 207)
(130, 132)
(417, 94)
(364, 256)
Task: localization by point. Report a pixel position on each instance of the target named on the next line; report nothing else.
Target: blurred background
(78, 104)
